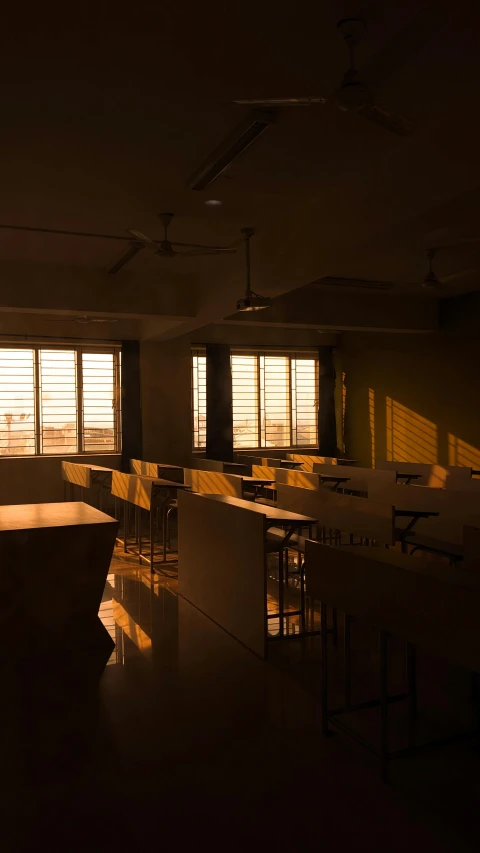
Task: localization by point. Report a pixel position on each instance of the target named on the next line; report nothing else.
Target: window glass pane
(304, 401)
(276, 415)
(199, 400)
(17, 396)
(58, 401)
(245, 401)
(98, 371)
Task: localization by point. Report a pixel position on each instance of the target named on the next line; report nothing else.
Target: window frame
(78, 350)
(296, 354)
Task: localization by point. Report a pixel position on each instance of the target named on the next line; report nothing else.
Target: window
(59, 400)
(274, 399)
(199, 399)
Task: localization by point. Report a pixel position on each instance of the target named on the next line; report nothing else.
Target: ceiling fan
(251, 301)
(165, 248)
(431, 281)
(353, 95)
(434, 282)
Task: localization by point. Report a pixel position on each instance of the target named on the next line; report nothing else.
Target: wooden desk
(86, 476)
(290, 463)
(258, 483)
(149, 493)
(272, 514)
(55, 559)
(159, 470)
(332, 478)
(407, 477)
(222, 561)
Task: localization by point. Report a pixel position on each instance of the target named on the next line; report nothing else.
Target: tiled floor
(196, 742)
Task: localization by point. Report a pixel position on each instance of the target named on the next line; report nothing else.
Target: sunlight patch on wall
(461, 453)
(410, 437)
(371, 417)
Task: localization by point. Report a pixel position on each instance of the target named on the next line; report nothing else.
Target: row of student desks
(225, 543)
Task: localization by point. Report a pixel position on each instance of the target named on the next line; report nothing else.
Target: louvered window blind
(59, 400)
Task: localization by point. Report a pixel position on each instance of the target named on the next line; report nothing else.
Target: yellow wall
(412, 398)
(38, 479)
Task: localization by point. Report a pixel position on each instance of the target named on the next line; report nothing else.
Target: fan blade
(281, 102)
(394, 123)
(200, 252)
(133, 250)
(445, 279)
(149, 244)
(199, 246)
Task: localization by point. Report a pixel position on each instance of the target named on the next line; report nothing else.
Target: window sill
(107, 453)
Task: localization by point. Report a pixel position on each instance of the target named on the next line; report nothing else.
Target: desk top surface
(89, 465)
(333, 478)
(259, 481)
(161, 482)
(167, 465)
(270, 512)
(35, 516)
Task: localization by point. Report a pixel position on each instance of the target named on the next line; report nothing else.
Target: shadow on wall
(409, 437)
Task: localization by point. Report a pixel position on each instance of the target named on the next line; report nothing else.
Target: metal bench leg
(125, 525)
(384, 705)
(151, 533)
(324, 668)
(335, 627)
(138, 524)
(280, 592)
(301, 567)
(411, 691)
(347, 655)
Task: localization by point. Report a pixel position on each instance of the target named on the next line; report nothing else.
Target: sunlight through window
(58, 400)
(461, 453)
(410, 437)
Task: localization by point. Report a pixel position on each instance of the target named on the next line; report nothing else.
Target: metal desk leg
(324, 670)
(411, 691)
(280, 592)
(347, 653)
(335, 627)
(164, 531)
(138, 525)
(384, 705)
(152, 513)
(301, 567)
(126, 521)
